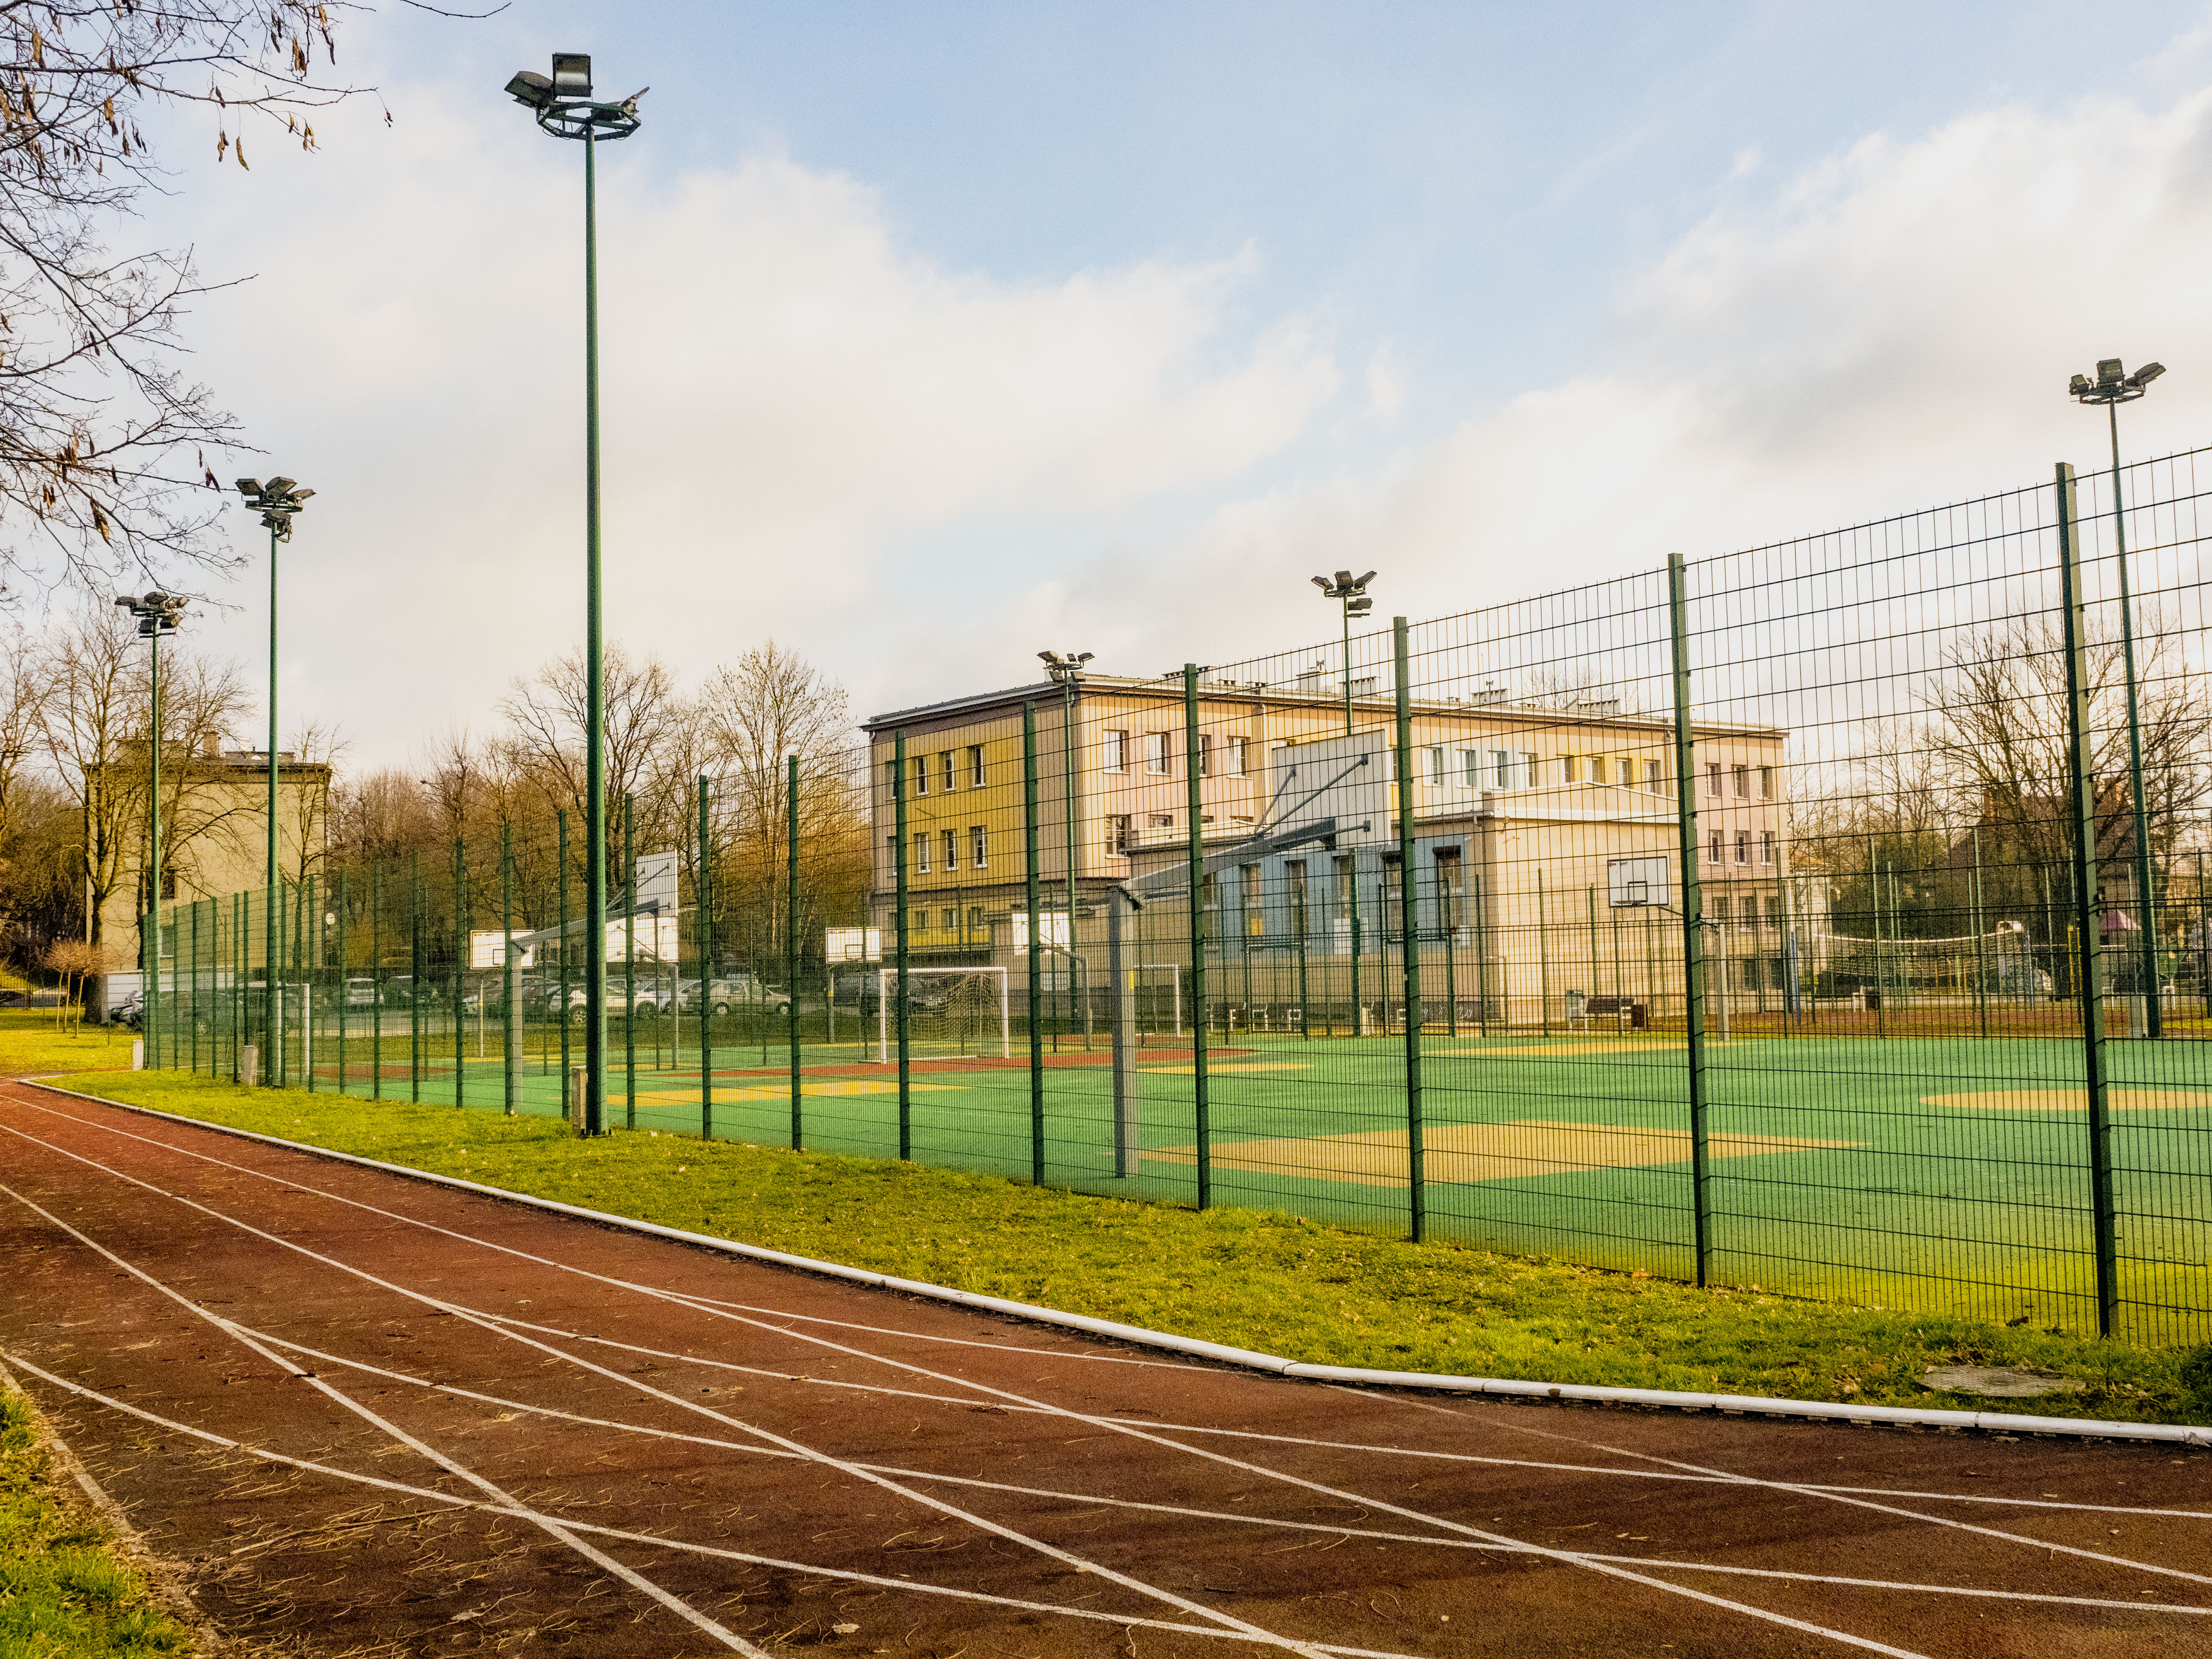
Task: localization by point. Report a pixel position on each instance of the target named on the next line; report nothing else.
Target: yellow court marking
(2074, 1100)
(1557, 1050)
(782, 1091)
(1226, 1066)
(1462, 1152)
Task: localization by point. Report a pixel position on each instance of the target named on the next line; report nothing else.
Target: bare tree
(21, 692)
(102, 438)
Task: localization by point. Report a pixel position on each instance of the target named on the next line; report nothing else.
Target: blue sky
(938, 334)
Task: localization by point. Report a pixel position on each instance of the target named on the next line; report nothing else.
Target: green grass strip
(1251, 1278)
(62, 1590)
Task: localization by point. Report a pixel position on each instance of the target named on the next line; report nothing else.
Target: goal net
(949, 1009)
(2000, 963)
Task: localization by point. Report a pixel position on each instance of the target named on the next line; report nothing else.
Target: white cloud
(1890, 330)
(791, 396)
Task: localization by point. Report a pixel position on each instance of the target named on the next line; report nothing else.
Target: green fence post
(239, 970)
(899, 947)
(791, 934)
(460, 960)
(376, 981)
(1981, 957)
(311, 915)
(703, 902)
(629, 967)
(345, 983)
(417, 920)
(2204, 938)
(508, 1054)
(1543, 959)
(1409, 935)
(567, 953)
(1195, 795)
(192, 1002)
(2082, 811)
(281, 1070)
(1036, 943)
(1693, 961)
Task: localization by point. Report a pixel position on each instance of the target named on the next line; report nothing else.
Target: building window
(1743, 847)
(952, 919)
(1114, 751)
(1448, 887)
(1720, 909)
(979, 847)
(1654, 780)
(1294, 872)
(1626, 775)
(921, 774)
(1766, 846)
(1526, 772)
(975, 918)
(1118, 835)
(1160, 820)
(1436, 768)
(1774, 915)
(952, 850)
(974, 766)
(1713, 847)
(1713, 778)
(1340, 908)
(1156, 751)
(1206, 754)
(921, 854)
(1236, 757)
(918, 920)
(1251, 903)
(945, 770)
(1766, 783)
(1570, 769)
(891, 775)
(1742, 780)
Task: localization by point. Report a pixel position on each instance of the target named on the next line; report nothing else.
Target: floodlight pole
(2154, 1014)
(573, 113)
(269, 1010)
(151, 1002)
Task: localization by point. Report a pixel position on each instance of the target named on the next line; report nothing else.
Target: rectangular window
(952, 919)
(952, 850)
(1250, 901)
(1436, 768)
(1774, 913)
(1294, 872)
(974, 766)
(1713, 778)
(944, 771)
(1720, 909)
(1525, 774)
(975, 918)
(890, 775)
(1766, 846)
(1743, 847)
(890, 859)
(1114, 751)
(1654, 780)
(1570, 769)
(1339, 901)
(1206, 754)
(920, 774)
(1501, 768)
(1118, 835)
(1236, 757)
(1713, 847)
(1766, 783)
(1156, 752)
(1626, 775)
(1741, 777)
(1448, 887)
(979, 847)
(921, 854)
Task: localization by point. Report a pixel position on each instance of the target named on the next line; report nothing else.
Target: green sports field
(1945, 1174)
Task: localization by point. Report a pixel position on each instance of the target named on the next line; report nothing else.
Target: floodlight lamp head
(129, 600)
(1344, 578)
(530, 89)
(1084, 658)
(2108, 370)
(572, 75)
(2078, 385)
(301, 495)
(1050, 658)
(1322, 582)
(1359, 607)
(2144, 376)
(249, 486)
(278, 485)
(1365, 579)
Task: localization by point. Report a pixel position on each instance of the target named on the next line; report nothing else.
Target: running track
(377, 1416)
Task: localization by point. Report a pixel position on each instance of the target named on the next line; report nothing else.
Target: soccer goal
(969, 986)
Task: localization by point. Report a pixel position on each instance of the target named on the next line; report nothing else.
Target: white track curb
(1995, 1422)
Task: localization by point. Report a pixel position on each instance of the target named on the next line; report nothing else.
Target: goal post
(886, 978)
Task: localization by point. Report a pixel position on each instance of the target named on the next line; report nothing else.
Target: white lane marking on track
(1251, 1631)
(599, 1557)
(1336, 1529)
(1566, 1556)
(709, 1303)
(955, 1341)
(1834, 1495)
(679, 1545)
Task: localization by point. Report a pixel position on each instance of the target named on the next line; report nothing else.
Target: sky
(934, 335)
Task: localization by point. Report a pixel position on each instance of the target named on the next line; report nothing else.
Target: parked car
(131, 1012)
(732, 992)
(646, 1004)
(927, 994)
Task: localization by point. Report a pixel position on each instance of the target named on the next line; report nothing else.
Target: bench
(1625, 1014)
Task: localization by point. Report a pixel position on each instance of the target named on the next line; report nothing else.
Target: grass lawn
(1259, 1279)
(62, 1590)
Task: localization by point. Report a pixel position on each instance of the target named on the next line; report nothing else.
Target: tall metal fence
(1829, 916)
